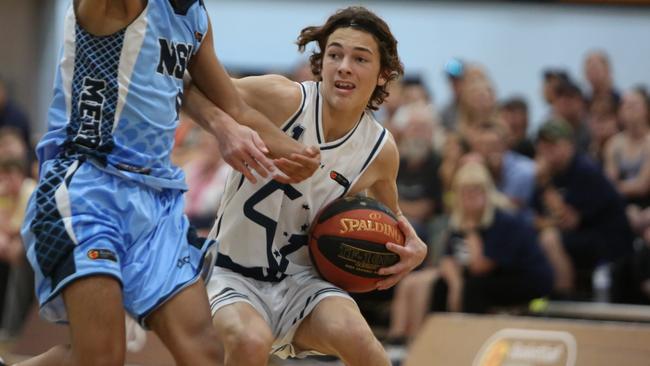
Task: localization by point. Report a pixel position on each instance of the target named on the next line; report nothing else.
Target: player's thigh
(96, 316)
(183, 322)
(335, 323)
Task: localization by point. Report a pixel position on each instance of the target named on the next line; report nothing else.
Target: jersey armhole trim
(297, 113)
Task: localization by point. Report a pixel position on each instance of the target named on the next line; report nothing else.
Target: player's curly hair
(360, 18)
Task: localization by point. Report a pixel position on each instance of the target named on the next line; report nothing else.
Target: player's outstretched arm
(211, 79)
(384, 189)
(279, 98)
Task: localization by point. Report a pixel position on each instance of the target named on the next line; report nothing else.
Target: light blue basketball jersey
(117, 97)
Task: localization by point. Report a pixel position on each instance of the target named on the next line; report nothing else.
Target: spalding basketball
(347, 242)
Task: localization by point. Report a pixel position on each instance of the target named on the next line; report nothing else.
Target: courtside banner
(498, 340)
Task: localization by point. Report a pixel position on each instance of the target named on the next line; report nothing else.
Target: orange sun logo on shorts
(93, 254)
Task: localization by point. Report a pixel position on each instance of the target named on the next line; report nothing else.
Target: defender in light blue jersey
(105, 229)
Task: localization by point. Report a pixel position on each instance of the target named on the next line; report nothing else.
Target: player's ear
(385, 78)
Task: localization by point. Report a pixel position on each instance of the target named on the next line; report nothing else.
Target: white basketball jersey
(262, 228)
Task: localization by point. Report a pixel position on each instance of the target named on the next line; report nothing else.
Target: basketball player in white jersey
(105, 230)
(264, 293)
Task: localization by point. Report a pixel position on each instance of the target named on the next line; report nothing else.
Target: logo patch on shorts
(95, 254)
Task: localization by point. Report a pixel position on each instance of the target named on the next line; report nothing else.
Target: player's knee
(253, 343)
(359, 342)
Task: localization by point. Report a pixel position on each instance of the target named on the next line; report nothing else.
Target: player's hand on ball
(411, 255)
(298, 167)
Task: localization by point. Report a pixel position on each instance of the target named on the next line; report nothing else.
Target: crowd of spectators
(510, 214)
(560, 213)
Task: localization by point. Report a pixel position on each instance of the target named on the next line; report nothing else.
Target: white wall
(513, 41)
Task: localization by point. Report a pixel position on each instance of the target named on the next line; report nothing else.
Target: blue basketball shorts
(82, 221)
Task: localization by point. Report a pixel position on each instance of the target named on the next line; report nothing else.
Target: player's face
(351, 65)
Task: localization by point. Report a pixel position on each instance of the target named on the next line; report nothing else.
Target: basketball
(347, 242)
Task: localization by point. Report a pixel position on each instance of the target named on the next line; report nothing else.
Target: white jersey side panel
(262, 228)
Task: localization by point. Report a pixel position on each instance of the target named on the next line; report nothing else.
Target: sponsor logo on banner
(527, 347)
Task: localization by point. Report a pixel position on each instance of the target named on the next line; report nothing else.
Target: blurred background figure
(598, 73)
(492, 257)
(627, 159)
(206, 174)
(569, 105)
(513, 174)
(418, 184)
(415, 99)
(11, 115)
(454, 70)
(603, 125)
(301, 71)
(581, 216)
(513, 113)
(551, 78)
(477, 102)
(16, 276)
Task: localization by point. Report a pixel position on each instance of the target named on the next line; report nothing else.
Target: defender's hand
(243, 149)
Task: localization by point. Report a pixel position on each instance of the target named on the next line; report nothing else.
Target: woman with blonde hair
(492, 257)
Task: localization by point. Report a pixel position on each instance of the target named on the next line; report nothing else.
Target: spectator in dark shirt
(492, 257)
(576, 198)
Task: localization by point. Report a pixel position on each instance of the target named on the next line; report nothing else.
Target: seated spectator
(390, 106)
(419, 188)
(513, 174)
(599, 75)
(627, 159)
(492, 257)
(603, 125)
(552, 77)
(581, 215)
(477, 102)
(569, 105)
(16, 276)
(514, 114)
(454, 149)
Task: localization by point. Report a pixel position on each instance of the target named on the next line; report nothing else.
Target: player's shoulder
(272, 87)
(388, 157)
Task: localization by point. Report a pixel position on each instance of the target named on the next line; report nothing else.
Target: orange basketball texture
(347, 242)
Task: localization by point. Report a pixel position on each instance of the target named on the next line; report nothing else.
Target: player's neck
(337, 123)
(105, 17)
